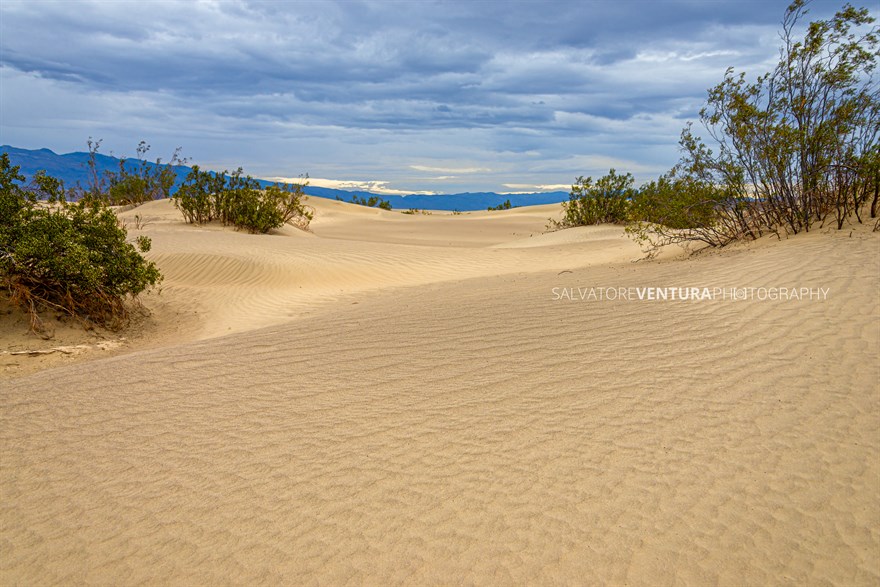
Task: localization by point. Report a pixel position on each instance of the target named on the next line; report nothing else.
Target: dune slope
(461, 425)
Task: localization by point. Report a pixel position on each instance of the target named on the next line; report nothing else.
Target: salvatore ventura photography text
(690, 294)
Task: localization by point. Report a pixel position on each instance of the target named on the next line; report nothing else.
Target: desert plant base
(68, 257)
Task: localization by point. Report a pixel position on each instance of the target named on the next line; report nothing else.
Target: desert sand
(403, 399)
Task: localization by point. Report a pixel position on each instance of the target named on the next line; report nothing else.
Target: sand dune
(238, 281)
(423, 410)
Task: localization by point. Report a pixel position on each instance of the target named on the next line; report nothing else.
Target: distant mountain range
(73, 169)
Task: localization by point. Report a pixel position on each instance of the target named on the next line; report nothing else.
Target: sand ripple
(470, 431)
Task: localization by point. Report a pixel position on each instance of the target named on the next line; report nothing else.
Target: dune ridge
(458, 424)
(242, 281)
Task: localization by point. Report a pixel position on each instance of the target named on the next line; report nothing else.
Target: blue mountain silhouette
(73, 169)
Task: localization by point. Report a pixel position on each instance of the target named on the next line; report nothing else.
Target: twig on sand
(66, 350)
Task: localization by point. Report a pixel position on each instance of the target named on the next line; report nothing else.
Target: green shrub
(372, 202)
(680, 207)
(605, 201)
(505, 205)
(195, 197)
(237, 200)
(678, 202)
(132, 184)
(67, 256)
(797, 147)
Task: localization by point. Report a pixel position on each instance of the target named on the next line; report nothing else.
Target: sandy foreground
(397, 399)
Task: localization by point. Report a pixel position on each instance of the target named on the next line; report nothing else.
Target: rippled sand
(400, 400)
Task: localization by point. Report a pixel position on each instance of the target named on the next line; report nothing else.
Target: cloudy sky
(406, 97)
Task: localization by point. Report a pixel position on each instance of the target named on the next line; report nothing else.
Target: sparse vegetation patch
(68, 257)
(236, 199)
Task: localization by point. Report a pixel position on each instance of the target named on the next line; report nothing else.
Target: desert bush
(505, 205)
(195, 196)
(679, 208)
(371, 202)
(798, 141)
(796, 148)
(239, 201)
(136, 182)
(606, 200)
(71, 257)
(288, 199)
(676, 202)
(145, 182)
